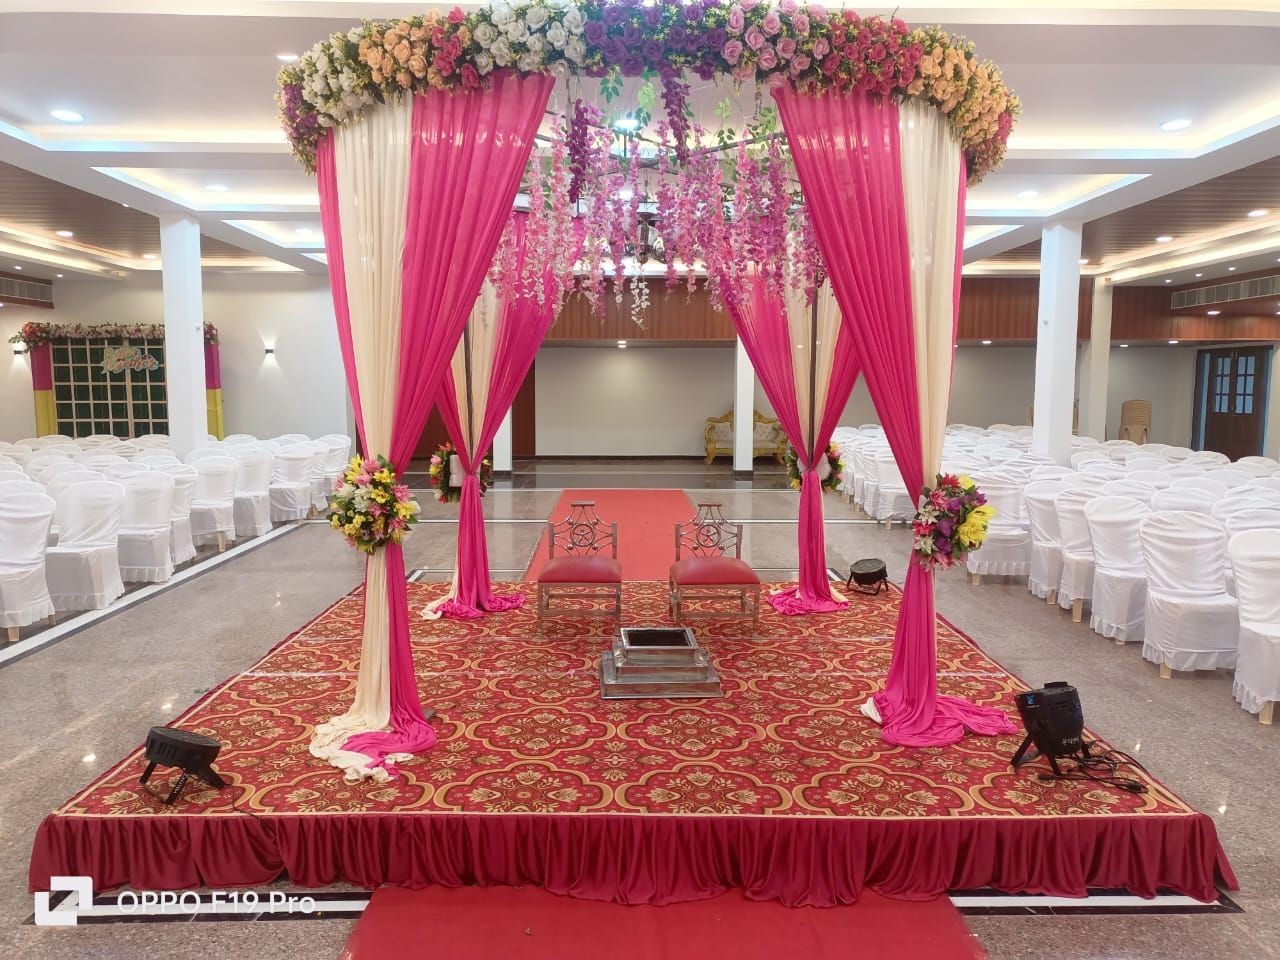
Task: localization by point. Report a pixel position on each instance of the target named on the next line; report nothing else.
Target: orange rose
(405, 79)
(418, 66)
(402, 52)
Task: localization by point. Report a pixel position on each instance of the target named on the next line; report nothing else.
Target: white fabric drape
(931, 166)
(808, 359)
(372, 165)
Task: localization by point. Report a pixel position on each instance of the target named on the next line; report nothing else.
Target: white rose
(537, 43)
(529, 62)
(573, 20)
(485, 34)
(352, 102)
(516, 31)
(501, 14)
(535, 17)
(501, 52)
(556, 35)
(575, 49)
(484, 63)
(355, 34)
(560, 70)
(558, 4)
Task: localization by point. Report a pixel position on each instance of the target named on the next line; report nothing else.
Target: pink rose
(363, 478)
(755, 39)
(736, 20)
(820, 48)
(749, 4)
(799, 65)
(370, 466)
(767, 59)
(732, 52)
(818, 13)
(337, 485)
(375, 510)
(435, 459)
(772, 23)
(788, 6)
(401, 492)
(800, 24)
(786, 48)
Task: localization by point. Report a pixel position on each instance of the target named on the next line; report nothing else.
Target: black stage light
(1054, 720)
(869, 574)
(192, 753)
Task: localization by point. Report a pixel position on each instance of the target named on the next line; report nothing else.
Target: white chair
(292, 438)
(253, 491)
(321, 481)
(1213, 490)
(1245, 503)
(1176, 454)
(338, 452)
(1267, 518)
(1255, 558)
(1267, 462)
(291, 483)
(1119, 602)
(1048, 471)
(1152, 478)
(866, 482)
(213, 502)
(1089, 455)
(1208, 458)
(1191, 621)
(237, 439)
(893, 502)
(1229, 477)
(181, 546)
(12, 485)
(1040, 497)
(1128, 487)
(24, 538)
(144, 528)
(119, 471)
(58, 486)
(83, 570)
(152, 441)
(1144, 462)
(1107, 469)
(42, 471)
(153, 457)
(1007, 549)
(201, 453)
(1076, 585)
(1181, 498)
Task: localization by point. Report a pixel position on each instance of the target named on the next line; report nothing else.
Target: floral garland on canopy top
(802, 44)
(37, 334)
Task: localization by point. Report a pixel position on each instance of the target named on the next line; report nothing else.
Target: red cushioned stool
(713, 569)
(588, 568)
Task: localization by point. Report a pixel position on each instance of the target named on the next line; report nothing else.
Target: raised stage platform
(781, 788)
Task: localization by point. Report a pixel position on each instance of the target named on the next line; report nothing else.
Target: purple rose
(732, 52)
(678, 36)
(692, 13)
(653, 16)
(954, 504)
(754, 38)
(614, 15)
(594, 32)
(615, 51)
(716, 37)
(632, 66)
(653, 51)
(946, 526)
(632, 35)
(706, 70)
(737, 20)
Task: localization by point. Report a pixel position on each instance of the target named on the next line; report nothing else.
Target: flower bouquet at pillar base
(370, 507)
(830, 468)
(952, 521)
(441, 473)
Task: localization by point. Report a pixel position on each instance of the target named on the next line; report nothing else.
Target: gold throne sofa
(767, 438)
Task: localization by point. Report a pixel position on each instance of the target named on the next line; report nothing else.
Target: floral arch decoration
(745, 41)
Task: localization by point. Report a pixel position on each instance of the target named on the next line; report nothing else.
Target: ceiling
(178, 103)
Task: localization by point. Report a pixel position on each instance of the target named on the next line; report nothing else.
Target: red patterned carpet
(781, 787)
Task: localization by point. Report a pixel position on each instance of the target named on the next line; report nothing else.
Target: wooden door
(433, 435)
(1233, 386)
(524, 431)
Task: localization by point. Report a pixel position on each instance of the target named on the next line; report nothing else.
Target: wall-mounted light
(622, 344)
(19, 350)
(986, 343)
(270, 351)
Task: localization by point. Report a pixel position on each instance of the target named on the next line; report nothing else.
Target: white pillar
(744, 405)
(1056, 325)
(183, 333)
(502, 446)
(1271, 433)
(1097, 365)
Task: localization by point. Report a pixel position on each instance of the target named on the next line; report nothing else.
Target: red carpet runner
(525, 923)
(646, 528)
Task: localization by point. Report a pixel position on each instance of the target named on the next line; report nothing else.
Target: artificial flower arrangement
(835, 469)
(370, 507)
(440, 470)
(951, 522)
(37, 334)
(805, 45)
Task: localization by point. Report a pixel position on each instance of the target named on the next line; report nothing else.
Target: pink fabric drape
(522, 324)
(468, 154)
(761, 321)
(847, 156)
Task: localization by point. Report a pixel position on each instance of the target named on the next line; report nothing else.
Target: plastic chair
(1135, 420)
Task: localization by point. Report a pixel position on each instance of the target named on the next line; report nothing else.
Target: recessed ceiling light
(1173, 126)
(17, 266)
(1173, 343)
(1028, 194)
(58, 275)
(1083, 261)
(89, 757)
(287, 57)
(124, 205)
(1163, 238)
(1214, 313)
(1168, 281)
(217, 188)
(1257, 213)
(986, 343)
(1199, 274)
(1230, 268)
(64, 233)
(1123, 346)
(148, 256)
(66, 116)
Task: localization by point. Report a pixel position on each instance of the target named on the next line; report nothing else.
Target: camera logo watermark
(160, 903)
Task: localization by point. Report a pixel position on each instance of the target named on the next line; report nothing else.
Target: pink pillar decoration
(848, 159)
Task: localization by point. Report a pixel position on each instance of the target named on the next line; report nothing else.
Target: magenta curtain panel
(780, 338)
(884, 187)
(414, 198)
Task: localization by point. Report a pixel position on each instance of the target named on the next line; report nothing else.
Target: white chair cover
(1144, 462)
(1040, 497)
(1229, 477)
(24, 538)
(1090, 455)
(181, 546)
(1152, 478)
(866, 482)
(338, 452)
(20, 485)
(1050, 472)
(1255, 558)
(1266, 518)
(253, 486)
(202, 453)
(152, 441)
(1128, 487)
(83, 570)
(321, 481)
(1007, 550)
(240, 438)
(152, 458)
(119, 471)
(1077, 547)
(1120, 573)
(42, 471)
(1181, 498)
(144, 528)
(291, 483)
(1191, 621)
(1107, 469)
(893, 502)
(1206, 458)
(213, 503)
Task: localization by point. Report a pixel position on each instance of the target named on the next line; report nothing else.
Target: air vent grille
(29, 292)
(1228, 292)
